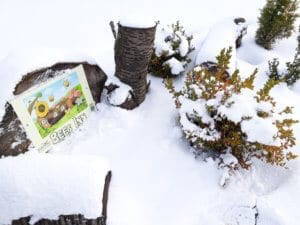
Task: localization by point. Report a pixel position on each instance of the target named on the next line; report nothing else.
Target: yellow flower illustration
(41, 108)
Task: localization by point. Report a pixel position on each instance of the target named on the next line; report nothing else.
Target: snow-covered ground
(156, 180)
(30, 177)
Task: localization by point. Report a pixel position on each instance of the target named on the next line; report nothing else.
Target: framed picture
(51, 111)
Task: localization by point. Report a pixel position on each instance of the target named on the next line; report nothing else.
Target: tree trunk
(133, 49)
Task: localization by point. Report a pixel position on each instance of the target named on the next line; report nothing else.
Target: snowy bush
(273, 69)
(221, 114)
(172, 47)
(276, 21)
(293, 68)
(292, 71)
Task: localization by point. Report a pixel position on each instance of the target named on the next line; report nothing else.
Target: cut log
(133, 50)
(13, 139)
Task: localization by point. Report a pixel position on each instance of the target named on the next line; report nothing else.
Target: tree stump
(133, 50)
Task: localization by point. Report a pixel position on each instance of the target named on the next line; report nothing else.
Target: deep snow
(74, 182)
(156, 180)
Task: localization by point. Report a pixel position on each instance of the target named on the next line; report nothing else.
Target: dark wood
(243, 32)
(76, 219)
(63, 220)
(133, 49)
(11, 130)
(105, 195)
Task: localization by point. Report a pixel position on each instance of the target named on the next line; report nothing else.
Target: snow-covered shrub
(292, 72)
(273, 69)
(221, 113)
(293, 68)
(172, 47)
(276, 21)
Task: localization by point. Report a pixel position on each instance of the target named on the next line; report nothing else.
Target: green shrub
(292, 72)
(293, 68)
(276, 21)
(273, 69)
(221, 113)
(172, 47)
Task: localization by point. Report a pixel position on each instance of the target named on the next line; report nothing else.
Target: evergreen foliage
(214, 118)
(292, 73)
(273, 69)
(276, 21)
(293, 68)
(171, 43)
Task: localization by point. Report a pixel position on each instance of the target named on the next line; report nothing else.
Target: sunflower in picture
(41, 108)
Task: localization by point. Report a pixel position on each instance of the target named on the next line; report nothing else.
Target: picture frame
(51, 111)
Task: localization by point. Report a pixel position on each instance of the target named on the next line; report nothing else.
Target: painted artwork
(51, 111)
(51, 107)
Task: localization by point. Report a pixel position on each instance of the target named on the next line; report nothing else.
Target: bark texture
(13, 139)
(133, 50)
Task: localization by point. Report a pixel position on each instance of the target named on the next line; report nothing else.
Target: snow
(221, 35)
(161, 46)
(132, 21)
(260, 130)
(175, 65)
(244, 106)
(156, 179)
(120, 94)
(184, 47)
(48, 185)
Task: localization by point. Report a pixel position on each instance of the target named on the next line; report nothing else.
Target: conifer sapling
(276, 21)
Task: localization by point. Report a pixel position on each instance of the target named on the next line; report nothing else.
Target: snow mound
(175, 65)
(48, 185)
(222, 35)
(120, 94)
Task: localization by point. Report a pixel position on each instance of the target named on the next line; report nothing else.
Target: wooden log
(133, 50)
(105, 196)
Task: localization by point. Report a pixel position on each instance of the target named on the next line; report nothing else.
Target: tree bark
(133, 49)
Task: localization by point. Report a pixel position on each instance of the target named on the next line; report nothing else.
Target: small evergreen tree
(276, 21)
(273, 69)
(292, 72)
(293, 68)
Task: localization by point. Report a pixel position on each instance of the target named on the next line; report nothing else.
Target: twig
(112, 26)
